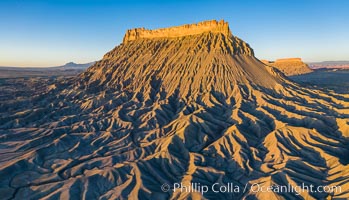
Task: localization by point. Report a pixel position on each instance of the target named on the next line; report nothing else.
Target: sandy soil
(196, 108)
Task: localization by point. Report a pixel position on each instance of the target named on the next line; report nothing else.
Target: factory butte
(179, 105)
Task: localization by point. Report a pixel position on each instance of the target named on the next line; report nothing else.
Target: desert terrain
(186, 104)
(290, 66)
(69, 69)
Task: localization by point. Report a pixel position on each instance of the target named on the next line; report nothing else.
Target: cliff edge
(178, 31)
(290, 66)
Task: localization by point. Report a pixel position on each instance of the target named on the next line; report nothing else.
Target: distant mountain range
(67, 66)
(329, 65)
(68, 69)
(72, 65)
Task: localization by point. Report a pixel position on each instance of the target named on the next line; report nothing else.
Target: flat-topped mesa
(289, 60)
(178, 31)
(290, 66)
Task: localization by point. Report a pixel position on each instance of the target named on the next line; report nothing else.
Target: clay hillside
(187, 104)
(290, 66)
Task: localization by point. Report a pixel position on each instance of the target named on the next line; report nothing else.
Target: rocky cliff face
(191, 65)
(290, 66)
(194, 108)
(179, 31)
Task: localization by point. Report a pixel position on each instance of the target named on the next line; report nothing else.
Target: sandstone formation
(178, 31)
(169, 108)
(290, 66)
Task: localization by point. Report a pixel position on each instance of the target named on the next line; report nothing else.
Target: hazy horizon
(192, 111)
(52, 33)
(59, 65)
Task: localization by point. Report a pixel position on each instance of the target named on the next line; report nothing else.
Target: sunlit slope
(195, 108)
(290, 66)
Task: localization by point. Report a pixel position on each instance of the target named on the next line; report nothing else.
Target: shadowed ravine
(195, 108)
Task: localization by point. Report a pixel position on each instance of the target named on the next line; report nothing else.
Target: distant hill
(329, 65)
(69, 69)
(290, 66)
(72, 65)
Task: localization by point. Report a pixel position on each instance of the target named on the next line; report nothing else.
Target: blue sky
(53, 32)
